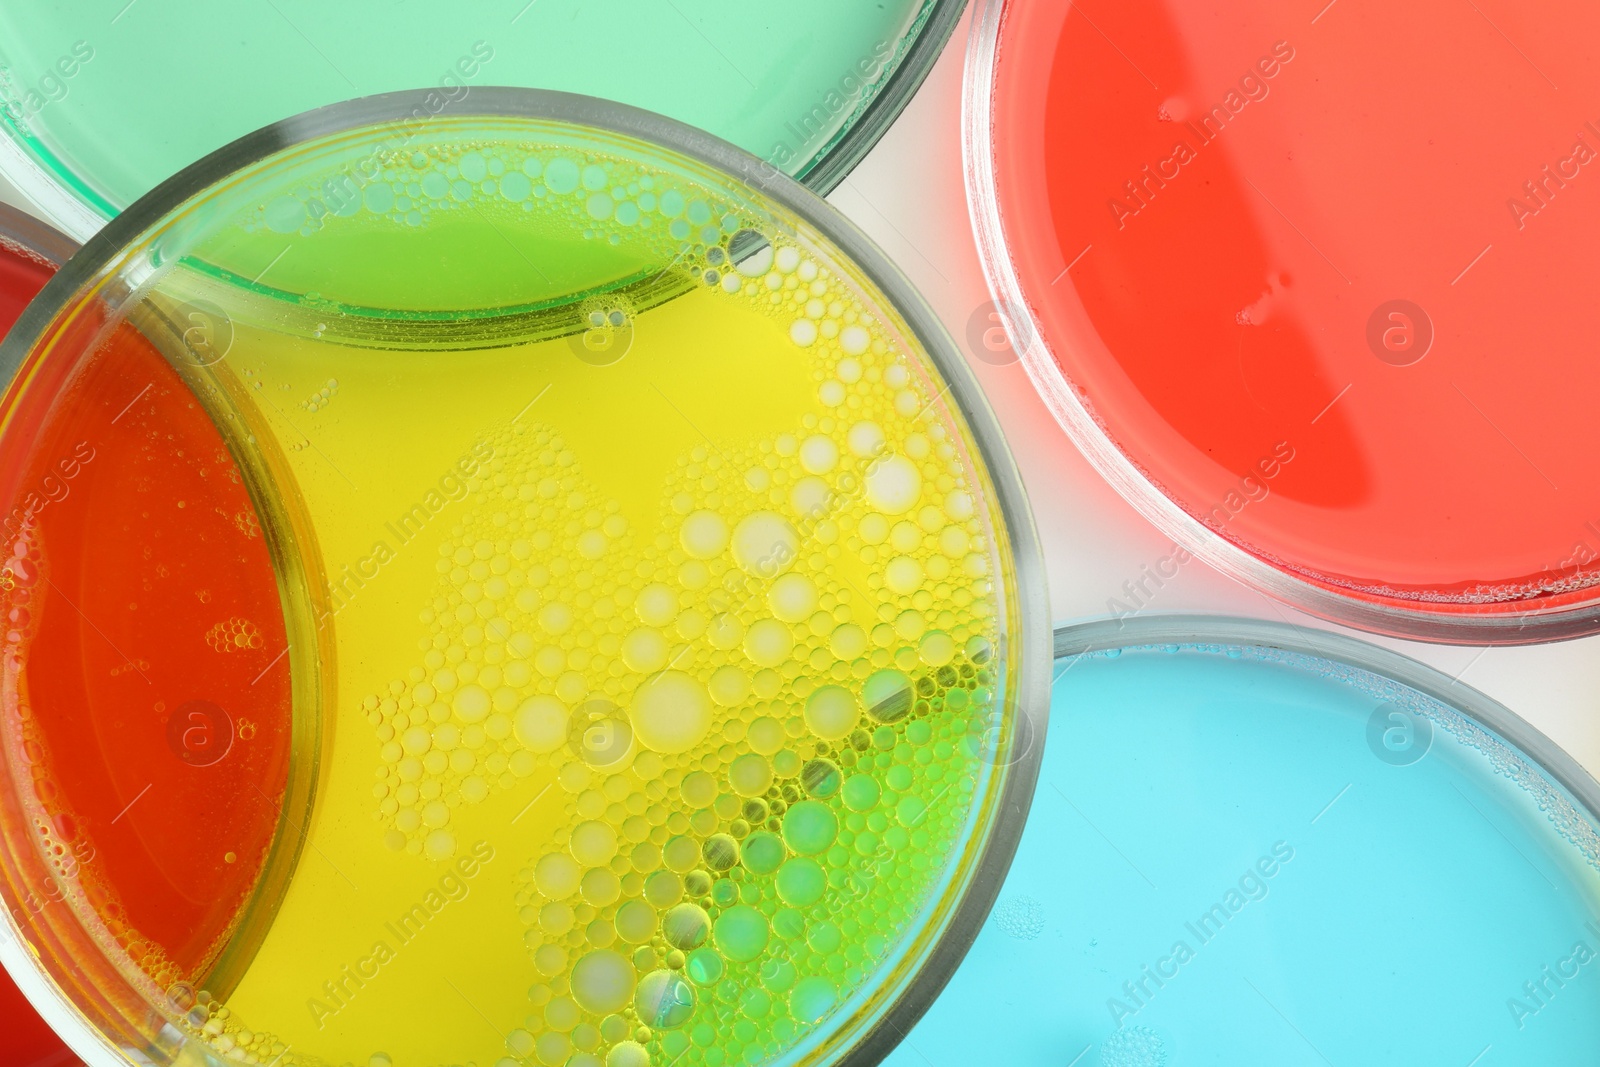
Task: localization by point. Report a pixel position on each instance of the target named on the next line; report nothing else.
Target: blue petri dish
(1260, 845)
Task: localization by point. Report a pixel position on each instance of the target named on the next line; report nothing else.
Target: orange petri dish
(145, 683)
(1315, 296)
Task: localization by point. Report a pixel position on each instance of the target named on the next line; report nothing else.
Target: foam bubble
(818, 454)
(809, 827)
(866, 439)
(894, 485)
(670, 712)
(887, 695)
(832, 712)
(750, 775)
(541, 723)
(645, 650)
(769, 642)
(628, 1054)
(765, 543)
(729, 686)
(704, 534)
(664, 1000)
(602, 981)
(812, 998)
(903, 575)
(636, 922)
(439, 845)
(594, 843)
(471, 703)
(742, 933)
(656, 604)
(686, 926)
(557, 875)
(793, 597)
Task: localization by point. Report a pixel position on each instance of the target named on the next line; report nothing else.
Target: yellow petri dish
(662, 627)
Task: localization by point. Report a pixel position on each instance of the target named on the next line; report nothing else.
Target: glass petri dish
(1247, 835)
(30, 252)
(649, 662)
(1298, 329)
(808, 88)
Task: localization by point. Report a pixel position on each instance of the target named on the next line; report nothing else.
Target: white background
(908, 195)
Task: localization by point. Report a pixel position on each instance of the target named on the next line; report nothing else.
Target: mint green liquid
(110, 105)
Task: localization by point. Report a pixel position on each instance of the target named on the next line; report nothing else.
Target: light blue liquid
(1402, 930)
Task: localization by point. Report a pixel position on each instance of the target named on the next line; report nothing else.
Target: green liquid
(170, 81)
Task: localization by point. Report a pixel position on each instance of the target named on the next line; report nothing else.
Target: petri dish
(809, 89)
(1247, 835)
(654, 625)
(30, 252)
(1297, 328)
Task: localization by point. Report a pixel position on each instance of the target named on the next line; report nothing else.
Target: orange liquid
(1310, 292)
(147, 639)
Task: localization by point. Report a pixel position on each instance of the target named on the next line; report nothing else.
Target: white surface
(909, 196)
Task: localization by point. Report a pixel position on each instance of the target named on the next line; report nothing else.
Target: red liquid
(26, 1041)
(21, 278)
(147, 637)
(1367, 157)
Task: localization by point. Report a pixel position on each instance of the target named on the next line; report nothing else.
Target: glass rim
(903, 1005)
(50, 194)
(1072, 640)
(1390, 617)
(33, 237)
(831, 168)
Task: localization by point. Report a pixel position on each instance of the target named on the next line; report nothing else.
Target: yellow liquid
(644, 747)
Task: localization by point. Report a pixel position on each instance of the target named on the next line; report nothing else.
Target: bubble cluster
(1134, 1046)
(234, 635)
(322, 397)
(744, 759)
(606, 198)
(1020, 917)
(767, 711)
(247, 523)
(216, 1023)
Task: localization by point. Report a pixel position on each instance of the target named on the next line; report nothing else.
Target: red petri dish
(142, 667)
(29, 255)
(1313, 286)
